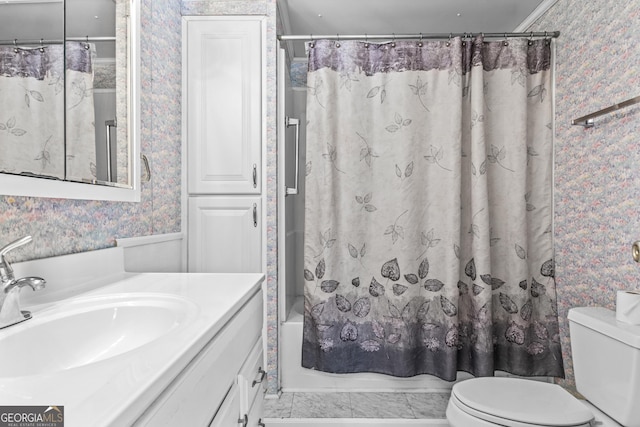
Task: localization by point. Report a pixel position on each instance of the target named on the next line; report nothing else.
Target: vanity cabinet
(223, 383)
(223, 139)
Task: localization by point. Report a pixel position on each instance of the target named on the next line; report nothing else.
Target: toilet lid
(520, 400)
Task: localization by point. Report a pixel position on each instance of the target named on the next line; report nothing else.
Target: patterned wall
(67, 226)
(597, 194)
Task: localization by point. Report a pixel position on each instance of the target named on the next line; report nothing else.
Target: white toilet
(606, 361)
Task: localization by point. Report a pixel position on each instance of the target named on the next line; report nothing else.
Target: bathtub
(295, 378)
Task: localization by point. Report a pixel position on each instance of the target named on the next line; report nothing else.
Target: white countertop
(116, 391)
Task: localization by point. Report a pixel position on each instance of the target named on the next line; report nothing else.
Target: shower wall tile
(597, 195)
(61, 226)
(104, 74)
(298, 73)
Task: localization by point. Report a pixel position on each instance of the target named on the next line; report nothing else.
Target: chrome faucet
(10, 312)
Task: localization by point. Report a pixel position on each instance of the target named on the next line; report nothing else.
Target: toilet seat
(516, 402)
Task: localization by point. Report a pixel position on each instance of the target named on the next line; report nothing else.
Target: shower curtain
(428, 209)
(81, 117)
(32, 118)
(32, 110)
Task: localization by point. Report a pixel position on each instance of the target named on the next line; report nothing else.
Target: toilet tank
(606, 362)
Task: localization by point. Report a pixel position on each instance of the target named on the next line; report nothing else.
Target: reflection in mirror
(92, 120)
(114, 68)
(68, 92)
(31, 88)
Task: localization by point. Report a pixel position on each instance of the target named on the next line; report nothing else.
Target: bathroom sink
(87, 330)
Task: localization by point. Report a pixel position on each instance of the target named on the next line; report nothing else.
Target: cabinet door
(229, 413)
(225, 235)
(252, 382)
(223, 104)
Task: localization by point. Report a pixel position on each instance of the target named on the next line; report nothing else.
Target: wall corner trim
(533, 17)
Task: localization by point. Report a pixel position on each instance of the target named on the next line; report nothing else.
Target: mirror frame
(17, 185)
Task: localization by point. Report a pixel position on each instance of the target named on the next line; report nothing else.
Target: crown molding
(533, 17)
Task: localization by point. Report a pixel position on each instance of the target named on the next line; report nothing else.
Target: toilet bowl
(606, 361)
(514, 402)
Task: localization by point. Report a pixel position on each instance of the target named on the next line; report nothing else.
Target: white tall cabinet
(223, 131)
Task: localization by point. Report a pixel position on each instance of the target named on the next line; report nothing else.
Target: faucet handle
(6, 272)
(15, 244)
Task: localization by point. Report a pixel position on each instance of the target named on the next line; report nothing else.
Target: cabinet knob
(261, 375)
(244, 421)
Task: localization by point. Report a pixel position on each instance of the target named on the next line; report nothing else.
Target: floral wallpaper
(596, 170)
(62, 226)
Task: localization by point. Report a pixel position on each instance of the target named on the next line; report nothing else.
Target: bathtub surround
(428, 210)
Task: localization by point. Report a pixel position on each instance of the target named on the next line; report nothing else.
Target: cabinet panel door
(225, 235)
(229, 413)
(252, 379)
(224, 103)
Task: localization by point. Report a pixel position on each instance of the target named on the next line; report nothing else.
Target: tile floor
(410, 406)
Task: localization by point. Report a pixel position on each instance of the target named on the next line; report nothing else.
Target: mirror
(70, 68)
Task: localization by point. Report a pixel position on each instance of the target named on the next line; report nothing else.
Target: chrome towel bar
(587, 121)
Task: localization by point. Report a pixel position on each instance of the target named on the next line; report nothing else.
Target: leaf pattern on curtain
(428, 209)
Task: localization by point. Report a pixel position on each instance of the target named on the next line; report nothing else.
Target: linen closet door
(222, 85)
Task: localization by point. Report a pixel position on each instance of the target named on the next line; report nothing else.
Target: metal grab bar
(289, 121)
(109, 124)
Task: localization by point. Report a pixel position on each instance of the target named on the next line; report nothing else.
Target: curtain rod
(17, 42)
(441, 36)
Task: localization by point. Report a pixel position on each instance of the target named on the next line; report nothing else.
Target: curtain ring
(86, 45)
(393, 42)
(15, 45)
(338, 42)
(366, 41)
(420, 44)
(312, 44)
(530, 43)
(42, 45)
(449, 41)
(506, 40)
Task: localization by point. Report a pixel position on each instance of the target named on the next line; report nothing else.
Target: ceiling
(346, 17)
